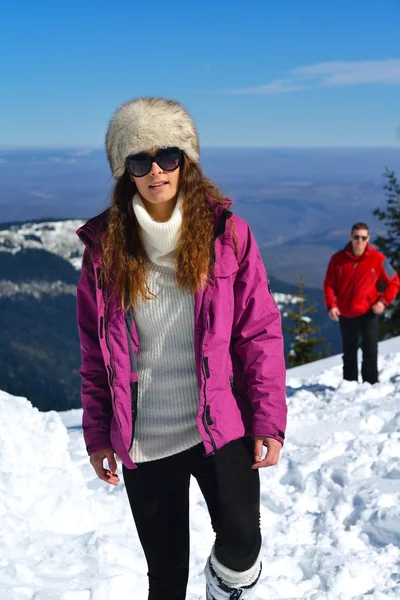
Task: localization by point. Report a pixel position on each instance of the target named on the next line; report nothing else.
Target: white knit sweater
(168, 393)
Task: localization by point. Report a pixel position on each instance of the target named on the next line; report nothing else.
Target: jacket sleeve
(95, 392)
(390, 279)
(330, 285)
(258, 342)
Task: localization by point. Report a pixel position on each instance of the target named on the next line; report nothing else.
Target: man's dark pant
(365, 328)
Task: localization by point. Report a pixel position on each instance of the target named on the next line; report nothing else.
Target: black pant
(158, 493)
(365, 327)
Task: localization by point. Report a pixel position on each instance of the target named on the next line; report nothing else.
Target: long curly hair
(125, 261)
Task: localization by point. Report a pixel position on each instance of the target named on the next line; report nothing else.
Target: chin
(161, 198)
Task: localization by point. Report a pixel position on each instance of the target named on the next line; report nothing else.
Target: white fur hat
(146, 123)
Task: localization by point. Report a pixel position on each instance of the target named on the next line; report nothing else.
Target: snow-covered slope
(330, 509)
(58, 237)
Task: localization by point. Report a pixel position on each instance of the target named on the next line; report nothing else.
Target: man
(359, 284)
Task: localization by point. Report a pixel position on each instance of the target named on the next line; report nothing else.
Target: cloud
(60, 159)
(44, 195)
(82, 152)
(331, 74)
(278, 86)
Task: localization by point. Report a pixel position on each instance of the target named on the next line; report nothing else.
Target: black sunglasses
(360, 237)
(168, 159)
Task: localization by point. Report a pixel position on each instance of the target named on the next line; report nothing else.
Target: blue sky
(273, 73)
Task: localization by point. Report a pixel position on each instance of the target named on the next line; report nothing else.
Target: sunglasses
(168, 159)
(360, 237)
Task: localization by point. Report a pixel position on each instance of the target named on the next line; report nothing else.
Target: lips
(158, 184)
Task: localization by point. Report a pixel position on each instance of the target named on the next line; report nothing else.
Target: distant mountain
(39, 269)
(300, 203)
(40, 349)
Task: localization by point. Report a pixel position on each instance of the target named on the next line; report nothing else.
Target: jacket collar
(349, 251)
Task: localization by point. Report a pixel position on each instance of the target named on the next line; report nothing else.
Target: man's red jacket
(352, 283)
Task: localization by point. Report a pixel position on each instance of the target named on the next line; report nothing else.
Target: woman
(182, 359)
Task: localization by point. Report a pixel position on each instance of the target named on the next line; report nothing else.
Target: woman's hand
(108, 475)
(273, 451)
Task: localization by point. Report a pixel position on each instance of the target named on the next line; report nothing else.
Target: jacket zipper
(354, 283)
(206, 418)
(133, 385)
(133, 391)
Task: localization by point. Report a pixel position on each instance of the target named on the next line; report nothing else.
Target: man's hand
(334, 313)
(272, 456)
(378, 307)
(108, 475)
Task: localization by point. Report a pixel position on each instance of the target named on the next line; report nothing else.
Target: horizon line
(89, 149)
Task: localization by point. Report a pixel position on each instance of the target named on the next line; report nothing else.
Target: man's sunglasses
(360, 237)
(168, 159)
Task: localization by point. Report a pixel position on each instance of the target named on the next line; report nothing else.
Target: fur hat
(146, 123)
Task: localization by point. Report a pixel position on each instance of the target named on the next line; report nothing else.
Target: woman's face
(158, 186)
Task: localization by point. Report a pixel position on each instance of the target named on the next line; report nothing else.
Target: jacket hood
(90, 233)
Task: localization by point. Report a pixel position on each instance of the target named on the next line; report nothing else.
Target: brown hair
(124, 257)
(359, 226)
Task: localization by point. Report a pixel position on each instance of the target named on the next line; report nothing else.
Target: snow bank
(43, 497)
(330, 509)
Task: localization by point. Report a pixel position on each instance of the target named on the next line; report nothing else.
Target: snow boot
(222, 588)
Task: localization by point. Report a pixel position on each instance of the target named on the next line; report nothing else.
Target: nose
(155, 169)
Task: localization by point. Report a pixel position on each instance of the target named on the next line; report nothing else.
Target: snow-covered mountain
(330, 508)
(58, 237)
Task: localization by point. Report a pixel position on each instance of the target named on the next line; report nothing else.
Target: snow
(330, 508)
(282, 300)
(58, 237)
(37, 289)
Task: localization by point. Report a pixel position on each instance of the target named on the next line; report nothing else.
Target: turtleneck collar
(160, 239)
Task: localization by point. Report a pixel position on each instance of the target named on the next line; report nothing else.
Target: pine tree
(389, 244)
(303, 332)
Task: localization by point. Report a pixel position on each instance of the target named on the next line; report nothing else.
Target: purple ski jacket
(238, 348)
